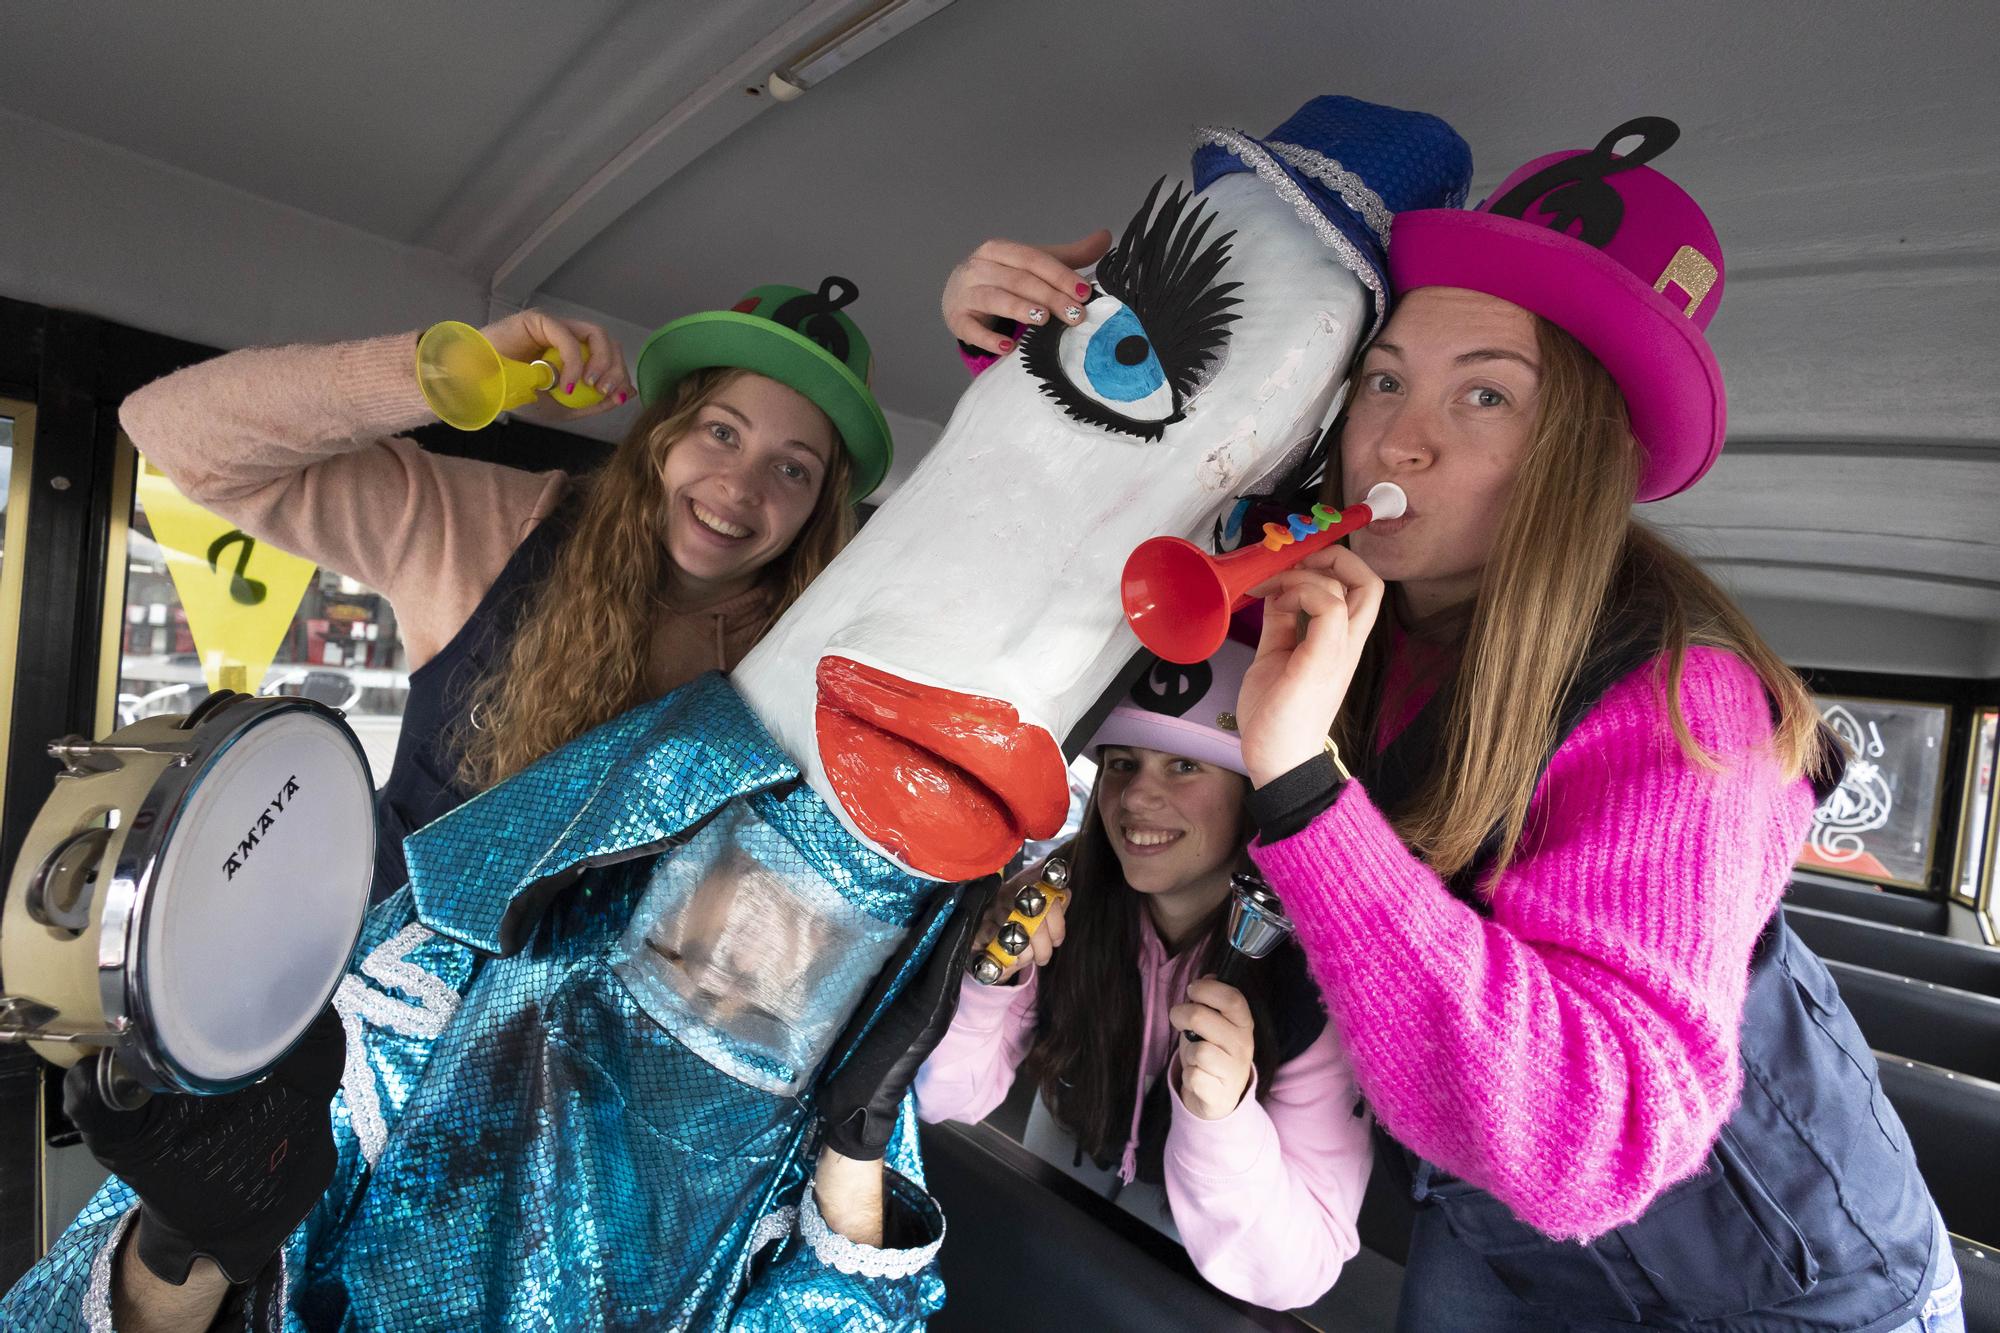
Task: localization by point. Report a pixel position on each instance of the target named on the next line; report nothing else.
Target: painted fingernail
(622, 396)
(570, 387)
(1006, 346)
(1036, 315)
(1083, 289)
(1073, 313)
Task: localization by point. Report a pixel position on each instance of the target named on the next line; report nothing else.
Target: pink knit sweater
(1576, 1053)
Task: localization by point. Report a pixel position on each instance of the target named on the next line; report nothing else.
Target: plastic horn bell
(468, 383)
(1030, 909)
(1178, 598)
(1257, 925)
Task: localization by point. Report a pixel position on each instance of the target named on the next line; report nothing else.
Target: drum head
(258, 895)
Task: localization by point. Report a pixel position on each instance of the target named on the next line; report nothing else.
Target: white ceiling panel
(369, 112)
(1823, 140)
(243, 173)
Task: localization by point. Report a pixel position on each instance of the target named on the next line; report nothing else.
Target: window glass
(1082, 776)
(14, 433)
(1976, 823)
(6, 484)
(340, 648)
(6, 469)
(1880, 824)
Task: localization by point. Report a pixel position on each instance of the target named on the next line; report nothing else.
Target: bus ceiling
(340, 170)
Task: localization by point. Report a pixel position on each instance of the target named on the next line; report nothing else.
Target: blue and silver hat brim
(1356, 225)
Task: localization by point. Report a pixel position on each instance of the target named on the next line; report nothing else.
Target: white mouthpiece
(1386, 500)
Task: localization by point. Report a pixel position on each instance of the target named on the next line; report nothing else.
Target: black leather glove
(859, 1099)
(228, 1177)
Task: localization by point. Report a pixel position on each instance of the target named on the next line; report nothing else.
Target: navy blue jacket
(1809, 1214)
(423, 782)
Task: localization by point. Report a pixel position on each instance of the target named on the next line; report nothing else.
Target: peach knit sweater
(302, 447)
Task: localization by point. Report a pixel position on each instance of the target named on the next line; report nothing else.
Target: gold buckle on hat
(1690, 271)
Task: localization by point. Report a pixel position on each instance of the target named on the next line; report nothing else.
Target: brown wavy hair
(1568, 552)
(579, 654)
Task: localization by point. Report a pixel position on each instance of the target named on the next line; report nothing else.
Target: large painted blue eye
(1155, 326)
(1119, 360)
(1109, 358)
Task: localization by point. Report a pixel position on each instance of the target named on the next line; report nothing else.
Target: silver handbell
(1257, 925)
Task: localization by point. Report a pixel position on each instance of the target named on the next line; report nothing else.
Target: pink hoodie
(1575, 1053)
(1265, 1198)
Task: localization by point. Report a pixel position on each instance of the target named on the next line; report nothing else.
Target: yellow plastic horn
(468, 383)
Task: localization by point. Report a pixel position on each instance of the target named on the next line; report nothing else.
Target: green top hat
(802, 339)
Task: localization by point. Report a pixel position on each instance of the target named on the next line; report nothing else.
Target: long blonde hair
(1568, 553)
(579, 654)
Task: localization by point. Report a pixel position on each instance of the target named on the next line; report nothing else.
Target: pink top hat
(1617, 255)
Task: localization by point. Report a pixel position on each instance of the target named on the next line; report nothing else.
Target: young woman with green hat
(534, 606)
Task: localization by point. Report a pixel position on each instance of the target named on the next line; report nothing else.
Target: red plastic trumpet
(1178, 598)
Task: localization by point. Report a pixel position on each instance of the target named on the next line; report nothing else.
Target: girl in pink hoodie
(1249, 1145)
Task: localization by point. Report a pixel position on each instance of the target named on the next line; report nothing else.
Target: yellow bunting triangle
(239, 593)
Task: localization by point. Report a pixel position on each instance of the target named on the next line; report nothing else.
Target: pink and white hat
(1185, 710)
(1620, 257)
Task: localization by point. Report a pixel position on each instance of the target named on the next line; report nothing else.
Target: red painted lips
(951, 783)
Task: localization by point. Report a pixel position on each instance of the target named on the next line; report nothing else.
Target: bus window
(1974, 883)
(341, 647)
(17, 428)
(1881, 822)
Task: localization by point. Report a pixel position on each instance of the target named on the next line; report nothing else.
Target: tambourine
(1030, 909)
(190, 894)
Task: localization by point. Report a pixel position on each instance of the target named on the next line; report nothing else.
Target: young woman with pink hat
(1544, 910)
(1227, 1142)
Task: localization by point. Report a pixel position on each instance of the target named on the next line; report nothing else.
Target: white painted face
(925, 680)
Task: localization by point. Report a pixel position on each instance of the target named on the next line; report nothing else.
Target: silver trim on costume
(97, 1296)
(1350, 187)
(387, 963)
(1272, 174)
(103, 1267)
(356, 1001)
(771, 1227)
(274, 1310)
(853, 1258)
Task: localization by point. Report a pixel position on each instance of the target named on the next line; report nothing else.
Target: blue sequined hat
(1348, 167)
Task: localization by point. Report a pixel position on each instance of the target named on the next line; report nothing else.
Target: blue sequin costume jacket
(534, 1132)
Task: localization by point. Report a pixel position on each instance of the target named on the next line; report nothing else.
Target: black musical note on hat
(1575, 188)
(1172, 689)
(812, 314)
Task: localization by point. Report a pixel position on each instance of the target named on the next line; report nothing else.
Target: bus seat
(1953, 1122)
(1898, 949)
(1884, 905)
(1979, 1267)
(1920, 1020)
(1027, 1246)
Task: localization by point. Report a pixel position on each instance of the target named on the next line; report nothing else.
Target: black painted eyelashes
(1131, 367)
